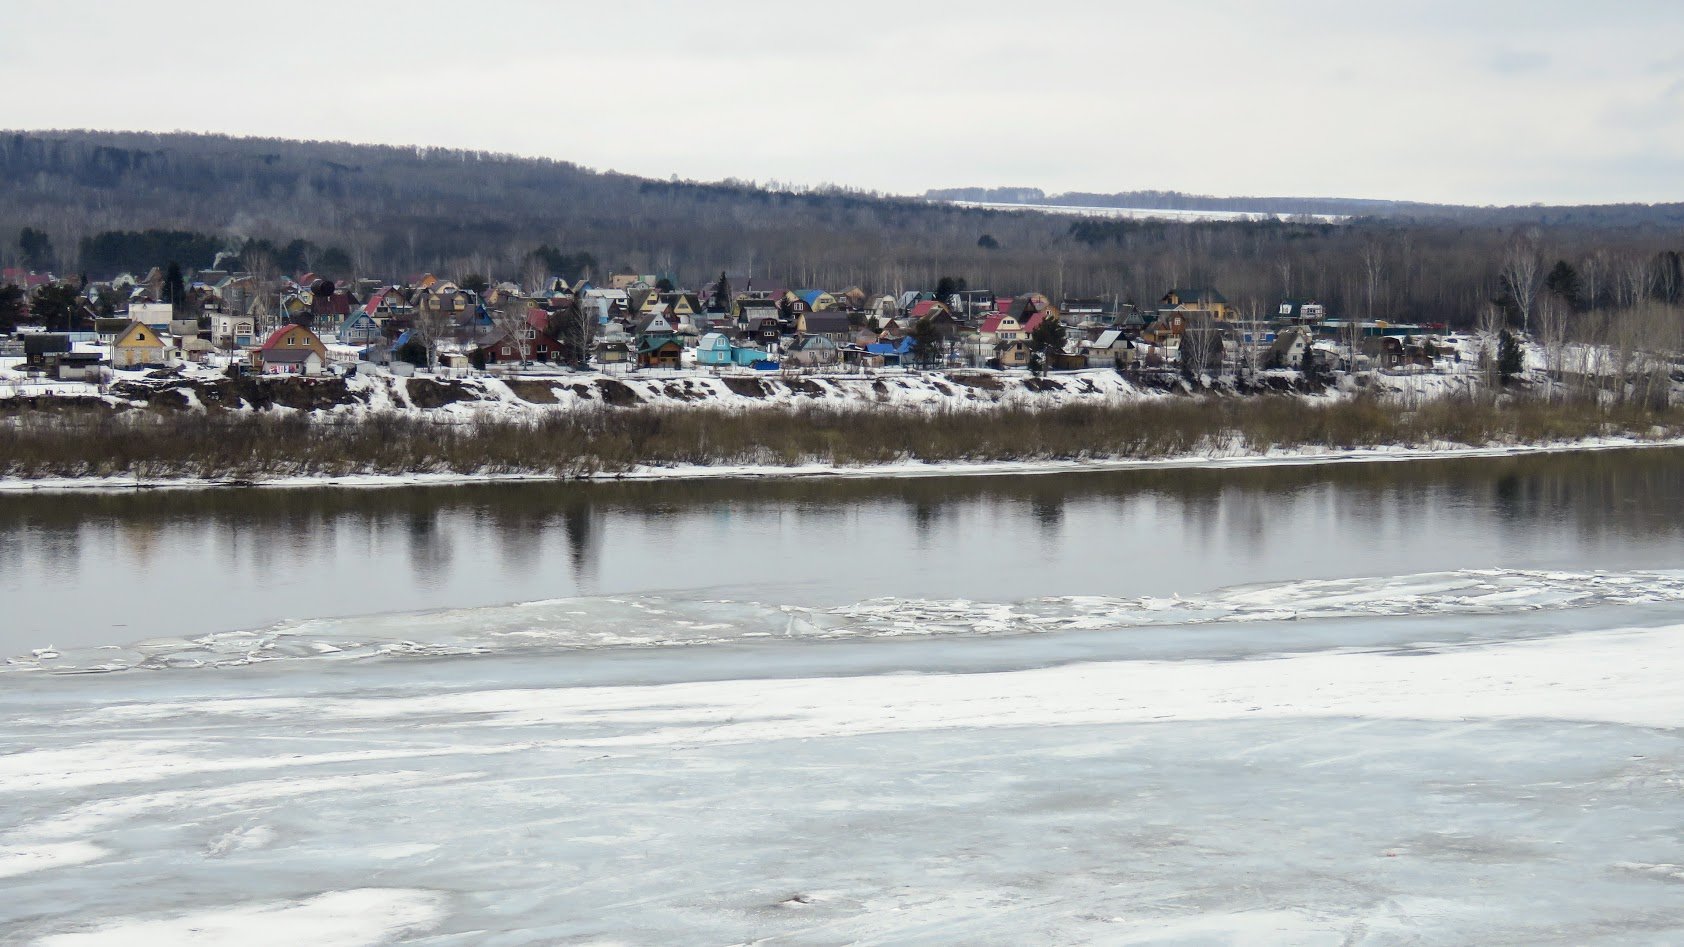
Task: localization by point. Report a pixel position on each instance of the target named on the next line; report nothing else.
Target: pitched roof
(827, 322)
(274, 339)
(133, 327)
(288, 356)
(1196, 294)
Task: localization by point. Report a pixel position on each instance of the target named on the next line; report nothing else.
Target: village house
(655, 351)
(829, 323)
(1288, 348)
(1011, 353)
(360, 329)
(446, 298)
(534, 345)
(232, 329)
(817, 300)
(136, 346)
(1000, 327)
(41, 349)
(812, 351)
(616, 351)
(792, 307)
(1301, 311)
(1109, 350)
(1083, 311)
(1201, 300)
(716, 349)
(290, 350)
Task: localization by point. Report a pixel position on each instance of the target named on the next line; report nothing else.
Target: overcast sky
(1472, 101)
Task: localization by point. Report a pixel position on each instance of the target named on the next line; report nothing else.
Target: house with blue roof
(817, 300)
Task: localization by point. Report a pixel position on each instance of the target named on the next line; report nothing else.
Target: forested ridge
(100, 202)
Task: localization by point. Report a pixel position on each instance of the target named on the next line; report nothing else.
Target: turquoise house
(716, 348)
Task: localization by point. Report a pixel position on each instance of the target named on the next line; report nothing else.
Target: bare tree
(432, 325)
(1593, 276)
(1490, 324)
(1636, 279)
(1520, 276)
(1552, 333)
(1373, 273)
(576, 326)
(510, 321)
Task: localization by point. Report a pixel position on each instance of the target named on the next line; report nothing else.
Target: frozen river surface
(1303, 749)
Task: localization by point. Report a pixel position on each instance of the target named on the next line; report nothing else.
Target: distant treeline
(1671, 215)
(101, 203)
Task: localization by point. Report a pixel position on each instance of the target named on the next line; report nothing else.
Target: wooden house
(283, 352)
(655, 351)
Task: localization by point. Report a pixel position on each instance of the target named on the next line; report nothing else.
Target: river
(1362, 703)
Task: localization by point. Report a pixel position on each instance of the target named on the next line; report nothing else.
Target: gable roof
(274, 339)
(827, 322)
(1196, 294)
(654, 343)
(133, 327)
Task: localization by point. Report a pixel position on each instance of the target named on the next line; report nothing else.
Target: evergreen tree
(1509, 361)
(37, 249)
(926, 342)
(946, 287)
(56, 307)
(1049, 337)
(1563, 281)
(11, 307)
(175, 289)
(987, 242)
(722, 294)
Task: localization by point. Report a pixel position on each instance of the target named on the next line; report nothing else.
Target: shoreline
(15, 486)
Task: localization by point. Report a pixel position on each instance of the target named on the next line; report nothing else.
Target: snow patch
(355, 918)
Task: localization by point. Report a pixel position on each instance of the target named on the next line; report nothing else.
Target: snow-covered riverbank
(1203, 461)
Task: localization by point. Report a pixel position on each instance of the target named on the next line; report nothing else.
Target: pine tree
(722, 294)
(37, 249)
(1563, 281)
(1509, 362)
(926, 342)
(175, 289)
(1049, 337)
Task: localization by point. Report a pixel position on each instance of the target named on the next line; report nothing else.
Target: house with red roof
(536, 340)
(1001, 327)
(290, 350)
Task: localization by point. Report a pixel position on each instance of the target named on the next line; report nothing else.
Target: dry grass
(96, 442)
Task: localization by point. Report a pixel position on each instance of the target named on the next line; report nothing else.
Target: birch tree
(510, 321)
(1520, 277)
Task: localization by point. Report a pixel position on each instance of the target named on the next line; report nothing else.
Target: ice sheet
(1451, 782)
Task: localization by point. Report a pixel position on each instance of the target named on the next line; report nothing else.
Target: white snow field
(1487, 757)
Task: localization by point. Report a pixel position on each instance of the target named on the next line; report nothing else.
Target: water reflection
(334, 551)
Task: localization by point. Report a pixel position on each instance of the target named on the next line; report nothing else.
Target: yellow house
(1197, 300)
(287, 350)
(1001, 327)
(817, 300)
(136, 345)
(681, 304)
